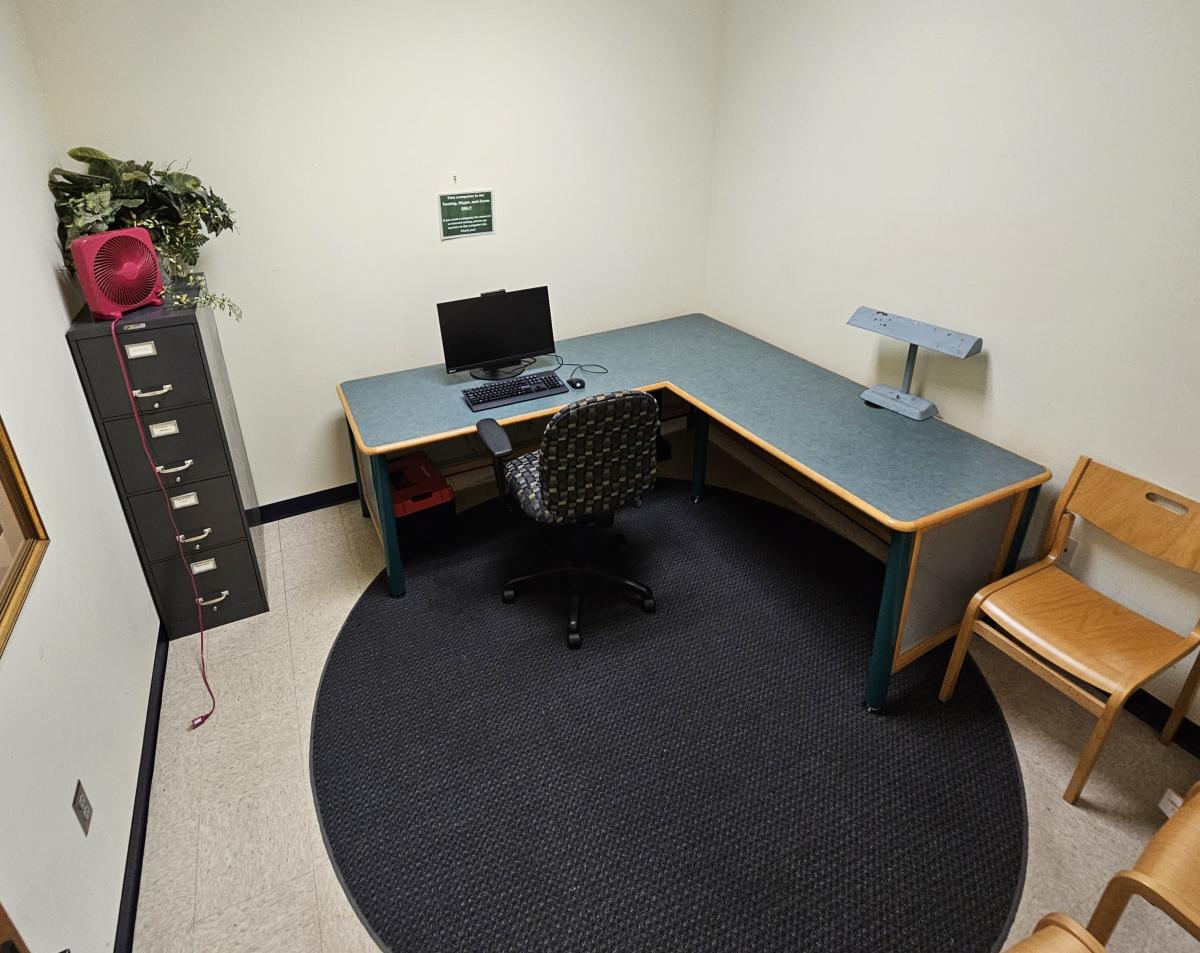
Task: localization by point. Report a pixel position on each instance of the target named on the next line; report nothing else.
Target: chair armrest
(1060, 921)
(499, 446)
(494, 438)
(1134, 883)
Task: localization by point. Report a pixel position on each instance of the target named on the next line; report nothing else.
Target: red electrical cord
(137, 419)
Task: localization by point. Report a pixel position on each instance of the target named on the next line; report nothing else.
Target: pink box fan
(118, 271)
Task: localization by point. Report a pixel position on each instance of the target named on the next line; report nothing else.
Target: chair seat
(523, 475)
(1082, 631)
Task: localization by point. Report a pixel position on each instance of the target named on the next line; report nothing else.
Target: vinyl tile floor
(234, 859)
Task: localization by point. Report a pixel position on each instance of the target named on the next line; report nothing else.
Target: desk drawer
(188, 434)
(164, 363)
(207, 513)
(226, 577)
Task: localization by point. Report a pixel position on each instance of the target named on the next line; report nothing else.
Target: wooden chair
(1076, 638)
(1167, 875)
(1058, 933)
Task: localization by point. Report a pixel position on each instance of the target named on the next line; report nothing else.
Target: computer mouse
(575, 382)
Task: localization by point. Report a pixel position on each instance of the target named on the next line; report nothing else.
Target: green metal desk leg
(887, 626)
(699, 454)
(1018, 540)
(362, 499)
(382, 487)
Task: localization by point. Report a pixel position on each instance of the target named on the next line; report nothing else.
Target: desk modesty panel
(907, 474)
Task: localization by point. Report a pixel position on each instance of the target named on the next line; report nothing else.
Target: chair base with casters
(572, 576)
(597, 455)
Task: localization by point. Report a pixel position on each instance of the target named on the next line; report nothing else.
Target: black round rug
(704, 778)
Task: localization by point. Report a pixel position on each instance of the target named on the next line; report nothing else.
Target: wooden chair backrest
(1151, 519)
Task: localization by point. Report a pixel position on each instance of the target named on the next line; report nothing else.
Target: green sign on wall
(466, 213)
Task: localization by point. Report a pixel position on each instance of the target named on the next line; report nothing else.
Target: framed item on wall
(23, 539)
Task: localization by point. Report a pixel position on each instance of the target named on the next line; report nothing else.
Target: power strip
(1170, 803)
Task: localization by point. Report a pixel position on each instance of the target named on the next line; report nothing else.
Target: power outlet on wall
(82, 807)
(1070, 552)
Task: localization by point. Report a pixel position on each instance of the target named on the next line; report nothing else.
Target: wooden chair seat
(1082, 631)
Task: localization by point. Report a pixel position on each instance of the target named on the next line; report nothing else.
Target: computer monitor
(493, 334)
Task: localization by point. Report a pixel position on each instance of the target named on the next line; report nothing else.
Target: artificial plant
(179, 211)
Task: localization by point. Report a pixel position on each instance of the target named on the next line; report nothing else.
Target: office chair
(597, 455)
(1075, 638)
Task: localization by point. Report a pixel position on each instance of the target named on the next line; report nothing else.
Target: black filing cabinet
(189, 422)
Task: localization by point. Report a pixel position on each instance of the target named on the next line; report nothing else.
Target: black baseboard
(1154, 712)
(127, 912)
(307, 503)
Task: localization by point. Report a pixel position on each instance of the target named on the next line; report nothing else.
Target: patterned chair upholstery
(597, 455)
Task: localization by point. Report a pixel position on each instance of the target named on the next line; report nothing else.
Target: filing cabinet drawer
(207, 513)
(226, 577)
(165, 364)
(188, 434)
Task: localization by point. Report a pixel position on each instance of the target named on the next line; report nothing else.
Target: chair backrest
(599, 454)
(1153, 520)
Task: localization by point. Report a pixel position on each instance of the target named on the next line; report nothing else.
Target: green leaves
(175, 207)
(180, 182)
(89, 155)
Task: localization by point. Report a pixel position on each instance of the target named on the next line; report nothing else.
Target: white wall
(75, 675)
(1026, 171)
(330, 129)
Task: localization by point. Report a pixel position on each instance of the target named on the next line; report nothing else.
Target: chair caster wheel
(648, 605)
(574, 640)
(508, 596)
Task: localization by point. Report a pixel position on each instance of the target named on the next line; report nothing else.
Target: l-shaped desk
(953, 508)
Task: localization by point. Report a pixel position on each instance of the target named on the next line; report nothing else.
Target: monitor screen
(495, 330)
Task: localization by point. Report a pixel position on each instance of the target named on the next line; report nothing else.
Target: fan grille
(126, 270)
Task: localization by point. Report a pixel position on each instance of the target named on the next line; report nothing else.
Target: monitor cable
(577, 368)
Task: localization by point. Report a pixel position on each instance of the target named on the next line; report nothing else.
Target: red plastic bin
(416, 485)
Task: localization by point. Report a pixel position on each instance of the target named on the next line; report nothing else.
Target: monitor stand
(497, 373)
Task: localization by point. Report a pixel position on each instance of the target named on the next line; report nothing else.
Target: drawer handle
(175, 469)
(165, 389)
(195, 539)
(212, 602)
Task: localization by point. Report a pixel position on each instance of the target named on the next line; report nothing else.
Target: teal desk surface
(906, 473)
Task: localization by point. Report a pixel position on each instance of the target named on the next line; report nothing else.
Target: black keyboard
(513, 390)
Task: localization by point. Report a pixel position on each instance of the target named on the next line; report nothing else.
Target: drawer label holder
(166, 428)
(185, 500)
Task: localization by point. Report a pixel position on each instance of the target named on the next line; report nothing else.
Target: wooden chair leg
(1108, 911)
(1182, 703)
(1087, 760)
(962, 642)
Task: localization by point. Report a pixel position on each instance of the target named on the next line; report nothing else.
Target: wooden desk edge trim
(899, 526)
